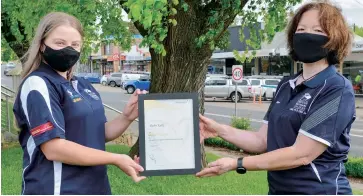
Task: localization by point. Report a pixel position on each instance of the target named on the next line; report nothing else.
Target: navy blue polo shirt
(48, 106)
(322, 109)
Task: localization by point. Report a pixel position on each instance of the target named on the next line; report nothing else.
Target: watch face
(241, 170)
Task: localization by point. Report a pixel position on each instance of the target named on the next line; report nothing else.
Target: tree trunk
(184, 67)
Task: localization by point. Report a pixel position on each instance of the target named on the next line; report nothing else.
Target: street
(6, 80)
(222, 112)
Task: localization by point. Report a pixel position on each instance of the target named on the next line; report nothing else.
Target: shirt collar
(49, 70)
(317, 80)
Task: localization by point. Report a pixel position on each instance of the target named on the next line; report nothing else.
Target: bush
(219, 142)
(239, 123)
(354, 167)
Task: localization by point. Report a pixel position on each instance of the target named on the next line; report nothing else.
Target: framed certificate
(169, 140)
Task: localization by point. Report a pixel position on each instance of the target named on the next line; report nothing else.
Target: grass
(356, 192)
(231, 183)
(251, 183)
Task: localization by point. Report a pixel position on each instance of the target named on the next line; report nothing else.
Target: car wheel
(233, 97)
(104, 83)
(130, 89)
(112, 83)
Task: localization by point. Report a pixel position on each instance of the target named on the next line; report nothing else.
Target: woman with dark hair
(304, 141)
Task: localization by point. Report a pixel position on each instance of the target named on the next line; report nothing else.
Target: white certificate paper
(169, 134)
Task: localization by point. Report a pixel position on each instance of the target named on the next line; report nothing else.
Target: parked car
(132, 75)
(221, 87)
(143, 84)
(103, 80)
(91, 77)
(114, 79)
(8, 67)
(264, 86)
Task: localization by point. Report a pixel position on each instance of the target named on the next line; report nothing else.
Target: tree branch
(138, 25)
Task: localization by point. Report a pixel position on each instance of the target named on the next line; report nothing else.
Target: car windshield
(271, 82)
(255, 82)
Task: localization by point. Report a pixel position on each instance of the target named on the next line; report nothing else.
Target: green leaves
(155, 17)
(273, 14)
(175, 2)
(100, 19)
(173, 11)
(174, 22)
(152, 14)
(185, 7)
(148, 19)
(135, 11)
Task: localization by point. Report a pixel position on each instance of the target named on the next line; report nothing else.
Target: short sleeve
(330, 115)
(40, 103)
(266, 117)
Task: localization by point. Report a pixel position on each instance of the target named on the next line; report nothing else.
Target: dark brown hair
(332, 22)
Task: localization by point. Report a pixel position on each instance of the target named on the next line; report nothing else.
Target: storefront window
(277, 66)
(249, 68)
(217, 66)
(353, 71)
(282, 66)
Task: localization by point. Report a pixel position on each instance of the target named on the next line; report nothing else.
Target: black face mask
(61, 60)
(308, 48)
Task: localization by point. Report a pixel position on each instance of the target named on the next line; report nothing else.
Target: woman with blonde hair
(304, 141)
(62, 119)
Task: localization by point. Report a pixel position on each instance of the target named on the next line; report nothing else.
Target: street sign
(237, 73)
(237, 77)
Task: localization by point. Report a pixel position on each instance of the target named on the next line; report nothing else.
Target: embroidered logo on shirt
(41, 129)
(74, 96)
(92, 94)
(301, 104)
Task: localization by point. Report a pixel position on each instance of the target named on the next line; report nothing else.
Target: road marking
(354, 135)
(357, 130)
(260, 121)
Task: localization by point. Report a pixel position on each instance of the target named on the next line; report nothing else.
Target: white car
(103, 80)
(266, 87)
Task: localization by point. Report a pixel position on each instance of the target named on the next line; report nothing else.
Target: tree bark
(184, 67)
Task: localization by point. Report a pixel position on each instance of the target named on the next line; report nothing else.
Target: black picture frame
(197, 145)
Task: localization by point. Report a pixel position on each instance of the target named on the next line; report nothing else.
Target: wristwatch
(240, 169)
